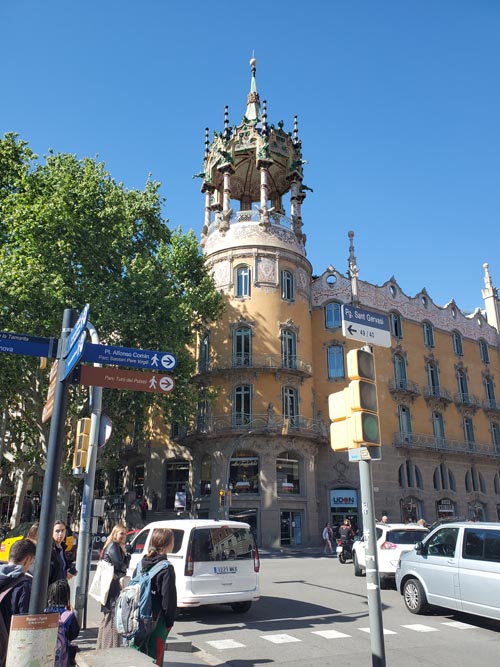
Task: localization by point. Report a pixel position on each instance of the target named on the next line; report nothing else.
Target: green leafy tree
(70, 235)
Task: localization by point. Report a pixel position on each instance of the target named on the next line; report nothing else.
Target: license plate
(225, 569)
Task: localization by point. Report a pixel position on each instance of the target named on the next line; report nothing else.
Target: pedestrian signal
(222, 497)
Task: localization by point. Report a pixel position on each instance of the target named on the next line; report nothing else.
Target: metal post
(83, 552)
(372, 578)
(38, 599)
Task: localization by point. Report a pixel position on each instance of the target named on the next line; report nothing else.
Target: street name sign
(33, 346)
(74, 355)
(115, 378)
(111, 355)
(79, 327)
(366, 326)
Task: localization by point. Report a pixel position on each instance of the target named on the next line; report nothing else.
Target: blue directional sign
(364, 325)
(33, 346)
(110, 355)
(80, 325)
(74, 355)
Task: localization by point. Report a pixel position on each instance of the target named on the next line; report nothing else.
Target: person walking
(15, 589)
(327, 539)
(113, 552)
(164, 594)
(59, 566)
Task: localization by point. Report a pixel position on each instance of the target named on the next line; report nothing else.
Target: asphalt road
(314, 611)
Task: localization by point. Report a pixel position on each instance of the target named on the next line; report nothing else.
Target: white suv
(392, 540)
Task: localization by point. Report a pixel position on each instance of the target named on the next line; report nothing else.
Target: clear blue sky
(398, 104)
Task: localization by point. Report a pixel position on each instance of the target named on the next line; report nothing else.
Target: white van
(216, 562)
(456, 566)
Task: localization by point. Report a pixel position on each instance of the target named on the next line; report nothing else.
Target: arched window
(405, 423)
(335, 362)
(396, 325)
(457, 344)
(244, 472)
(410, 476)
(433, 379)
(489, 389)
(206, 475)
(288, 349)
(468, 426)
(287, 286)
(333, 317)
(443, 478)
(242, 406)
(484, 351)
(288, 473)
(496, 483)
(495, 436)
(463, 386)
(242, 347)
(438, 427)
(204, 354)
(428, 331)
(290, 401)
(243, 281)
(474, 481)
(400, 371)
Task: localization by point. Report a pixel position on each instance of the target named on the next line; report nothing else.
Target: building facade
(260, 449)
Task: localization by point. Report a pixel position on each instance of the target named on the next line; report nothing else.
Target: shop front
(445, 509)
(344, 505)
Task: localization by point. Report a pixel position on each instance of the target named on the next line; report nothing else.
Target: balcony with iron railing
(467, 400)
(261, 424)
(437, 393)
(491, 405)
(440, 444)
(403, 386)
(272, 362)
(275, 218)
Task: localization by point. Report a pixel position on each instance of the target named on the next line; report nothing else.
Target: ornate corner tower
(262, 431)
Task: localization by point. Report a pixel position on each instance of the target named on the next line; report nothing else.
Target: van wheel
(241, 607)
(414, 596)
(358, 572)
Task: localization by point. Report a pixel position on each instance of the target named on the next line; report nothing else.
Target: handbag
(103, 577)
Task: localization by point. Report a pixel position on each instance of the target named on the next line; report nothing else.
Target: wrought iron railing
(257, 361)
(491, 404)
(253, 215)
(261, 423)
(464, 398)
(437, 392)
(404, 385)
(421, 441)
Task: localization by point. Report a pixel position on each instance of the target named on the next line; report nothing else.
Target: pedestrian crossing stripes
(224, 644)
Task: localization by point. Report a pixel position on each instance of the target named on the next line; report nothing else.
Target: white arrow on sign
(168, 361)
(166, 383)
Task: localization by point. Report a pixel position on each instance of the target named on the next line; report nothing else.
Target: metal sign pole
(38, 599)
(372, 577)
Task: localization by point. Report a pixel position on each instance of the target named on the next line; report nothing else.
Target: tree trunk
(21, 483)
(63, 493)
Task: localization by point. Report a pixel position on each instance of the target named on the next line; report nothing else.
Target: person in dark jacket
(59, 566)
(114, 553)
(15, 586)
(164, 593)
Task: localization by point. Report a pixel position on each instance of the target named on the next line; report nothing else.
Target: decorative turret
(490, 296)
(250, 167)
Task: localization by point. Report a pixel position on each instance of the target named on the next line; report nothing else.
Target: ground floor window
(344, 505)
(411, 510)
(287, 473)
(445, 509)
(206, 476)
(250, 516)
(475, 512)
(290, 527)
(244, 473)
(177, 482)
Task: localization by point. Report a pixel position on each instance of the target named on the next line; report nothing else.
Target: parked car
(216, 562)
(456, 566)
(392, 540)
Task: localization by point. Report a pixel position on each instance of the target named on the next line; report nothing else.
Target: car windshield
(405, 536)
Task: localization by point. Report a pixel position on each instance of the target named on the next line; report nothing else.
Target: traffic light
(354, 410)
(222, 497)
(81, 445)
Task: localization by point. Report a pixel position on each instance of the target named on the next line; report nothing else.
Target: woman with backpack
(163, 593)
(113, 552)
(58, 600)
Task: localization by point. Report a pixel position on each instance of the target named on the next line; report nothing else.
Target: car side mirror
(421, 549)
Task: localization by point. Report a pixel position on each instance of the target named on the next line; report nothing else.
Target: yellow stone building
(261, 449)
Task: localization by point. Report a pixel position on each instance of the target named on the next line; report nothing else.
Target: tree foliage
(70, 235)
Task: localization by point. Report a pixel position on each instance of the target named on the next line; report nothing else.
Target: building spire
(253, 101)
(353, 271)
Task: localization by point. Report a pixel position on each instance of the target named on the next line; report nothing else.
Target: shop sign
(343, 498)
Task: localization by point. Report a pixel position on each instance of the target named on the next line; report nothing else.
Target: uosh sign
(343, 498)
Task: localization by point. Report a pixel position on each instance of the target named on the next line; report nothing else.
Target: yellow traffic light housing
(354, 410)
(222, 497)
(81, 445)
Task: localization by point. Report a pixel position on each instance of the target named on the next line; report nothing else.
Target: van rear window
(481, 544)
(405, 536)
(222, 543)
